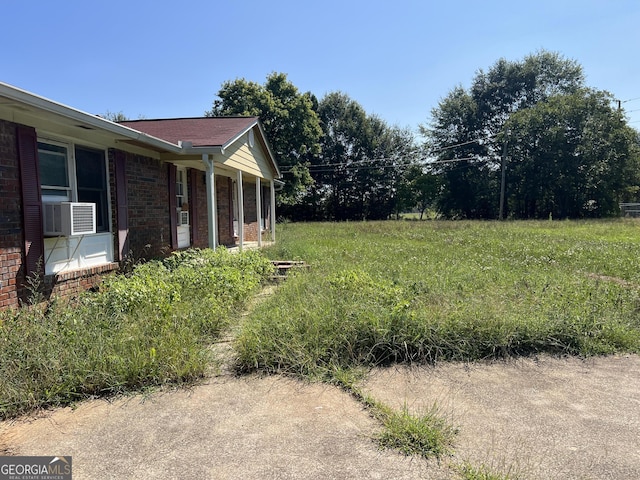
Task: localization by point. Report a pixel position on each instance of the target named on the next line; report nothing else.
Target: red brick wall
(148, 199)
(251, 224)
(11, 238)
(201, 200)
(71, 283)
(224, 207)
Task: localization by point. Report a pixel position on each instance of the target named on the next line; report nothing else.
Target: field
(424, 292)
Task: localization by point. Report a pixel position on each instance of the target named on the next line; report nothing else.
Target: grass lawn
(384, 292)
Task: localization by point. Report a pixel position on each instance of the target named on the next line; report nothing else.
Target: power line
(447, 147)
(340, 164)
(370, 167)
(436, 162)
(322, 168)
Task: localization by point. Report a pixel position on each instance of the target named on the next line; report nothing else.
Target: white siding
(71, 253)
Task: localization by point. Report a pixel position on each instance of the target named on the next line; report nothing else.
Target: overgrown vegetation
(427, 435)
(148, 328)
(387, 292)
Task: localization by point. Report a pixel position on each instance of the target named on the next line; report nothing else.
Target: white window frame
(69, 253)
(70, 146)
(72, 195)
(183, 197)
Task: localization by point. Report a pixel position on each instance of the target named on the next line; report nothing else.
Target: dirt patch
(543, 418)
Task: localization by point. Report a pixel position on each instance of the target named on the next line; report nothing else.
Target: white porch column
(259, 209)
(273, 211)
(212, 216)
(240, 211)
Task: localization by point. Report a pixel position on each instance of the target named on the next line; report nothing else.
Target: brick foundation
(71, 283)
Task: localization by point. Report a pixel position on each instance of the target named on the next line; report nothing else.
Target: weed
(385, 292)
(35, 285)
(468, 471)
(151, 327)
(426, 435)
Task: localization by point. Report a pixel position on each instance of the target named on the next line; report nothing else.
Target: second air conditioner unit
(183, 218)
(68, 219)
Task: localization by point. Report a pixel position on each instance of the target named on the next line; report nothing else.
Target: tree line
(527, 139)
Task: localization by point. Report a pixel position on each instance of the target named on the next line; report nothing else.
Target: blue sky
(157, 58)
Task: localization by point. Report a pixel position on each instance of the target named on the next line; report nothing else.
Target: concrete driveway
(543, 419)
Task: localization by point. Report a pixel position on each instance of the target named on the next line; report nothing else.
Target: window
(54, 172)
(92, 183)
(182, 206)
(180, 190)
(77, 177)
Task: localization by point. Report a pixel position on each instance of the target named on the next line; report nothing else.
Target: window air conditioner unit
(183, 218)
(68, 219)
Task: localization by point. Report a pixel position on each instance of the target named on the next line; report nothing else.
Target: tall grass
(383, 292)
(149, 328)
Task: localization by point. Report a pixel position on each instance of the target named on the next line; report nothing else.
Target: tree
(571, 156)
(290, 123)
(419, 189)
(115, 117)
(466, 173)
(358, 172)
(545, 94)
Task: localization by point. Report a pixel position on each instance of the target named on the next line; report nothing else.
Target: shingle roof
(201, 131)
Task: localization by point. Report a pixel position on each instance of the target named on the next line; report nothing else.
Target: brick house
(79, 194)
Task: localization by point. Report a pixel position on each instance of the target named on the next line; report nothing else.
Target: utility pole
(504, 173)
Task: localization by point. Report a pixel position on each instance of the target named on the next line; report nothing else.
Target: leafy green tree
(290, 123)
(467, 127)
(466, 173)
(571, 156)
(360, 168)
(419, 189)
